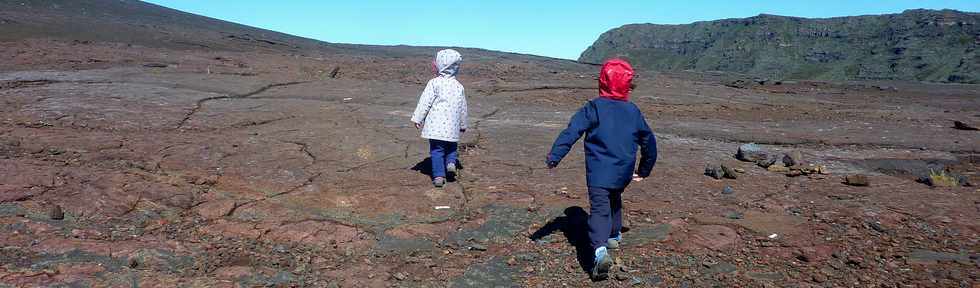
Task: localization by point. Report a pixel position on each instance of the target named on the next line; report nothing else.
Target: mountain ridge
(917, 45)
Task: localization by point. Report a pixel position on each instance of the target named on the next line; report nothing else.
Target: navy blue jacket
(613, 129)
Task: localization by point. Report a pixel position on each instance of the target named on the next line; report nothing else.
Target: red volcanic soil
(141, 146)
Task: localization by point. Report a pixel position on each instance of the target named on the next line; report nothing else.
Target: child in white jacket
(441, 115)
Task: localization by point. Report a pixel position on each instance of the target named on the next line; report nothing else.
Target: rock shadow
(574, 225)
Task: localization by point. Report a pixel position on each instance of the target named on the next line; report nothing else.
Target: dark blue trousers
(605, 215)
(442, 153)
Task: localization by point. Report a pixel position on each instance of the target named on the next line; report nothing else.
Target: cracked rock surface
(271, 167)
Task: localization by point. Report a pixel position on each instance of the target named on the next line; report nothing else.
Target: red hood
(615, 79)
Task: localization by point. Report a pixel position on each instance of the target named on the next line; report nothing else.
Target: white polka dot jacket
(442, 105)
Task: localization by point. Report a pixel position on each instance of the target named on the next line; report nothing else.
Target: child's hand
(417, 125)
(551, 164)
(637, 178)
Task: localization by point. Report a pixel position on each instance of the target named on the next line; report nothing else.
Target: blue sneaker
(603, 262)
(613, 243)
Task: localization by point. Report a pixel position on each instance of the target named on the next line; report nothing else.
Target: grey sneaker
(603, 262)
(439, 182)
(613, 243)
(451, 168)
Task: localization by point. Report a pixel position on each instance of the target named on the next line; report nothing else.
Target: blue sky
(561, 29)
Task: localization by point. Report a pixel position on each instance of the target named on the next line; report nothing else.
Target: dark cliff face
(923, 45)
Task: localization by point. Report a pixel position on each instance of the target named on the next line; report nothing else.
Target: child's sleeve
(425, 103)
(577, 126)
(464, 113)
(648, 148)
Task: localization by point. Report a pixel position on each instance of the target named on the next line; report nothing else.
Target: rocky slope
(925, 45)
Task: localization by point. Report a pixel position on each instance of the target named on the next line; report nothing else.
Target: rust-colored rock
(857, 180)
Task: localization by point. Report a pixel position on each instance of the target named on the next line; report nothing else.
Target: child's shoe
(613, 243)
(439, 182)
(603, 262)
(451, 168)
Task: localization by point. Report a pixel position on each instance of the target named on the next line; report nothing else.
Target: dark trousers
(442, 153)
(605, 215)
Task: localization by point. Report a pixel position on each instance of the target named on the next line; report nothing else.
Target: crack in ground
(17, 84)
(305, 148)
(308, 182)
(200, 103)
(253, 123)
(476, 144)
(494, 89)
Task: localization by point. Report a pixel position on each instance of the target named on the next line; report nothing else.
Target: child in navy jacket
(613, 129)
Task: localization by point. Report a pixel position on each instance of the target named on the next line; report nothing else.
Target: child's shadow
(425, 167)
(575, 226)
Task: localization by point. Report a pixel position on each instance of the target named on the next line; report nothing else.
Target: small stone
(856, 180)
(769, 161)
(728, 172)
(478, 247)
(400, 276)
(820, 169)
(739, 170)
(877, 227)
(728, 190)
(792, 159)
(636, 281)
(734, 215)
(854, 260)
(713, 171)
(963, 126)
(778, 168)
(511, 261)
(56, 213)
(819, 278)
(621, 276)
(794, 173)
(750, 153)
(133, 263)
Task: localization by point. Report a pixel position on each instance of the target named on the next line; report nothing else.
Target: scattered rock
(636, 281)
(721, 268)
(769, 161)
(877, 227)
(963, 126)
(751, 153)
(794, 173)
(621, 276)
(713, 171)
(739, 170)
(56, 213)
(734, 215)
(728, 172)
(856, 180)
(793, 159)
(819, 278)
(728, 190)
(778, 168)
(478, 247)
(400, 276)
